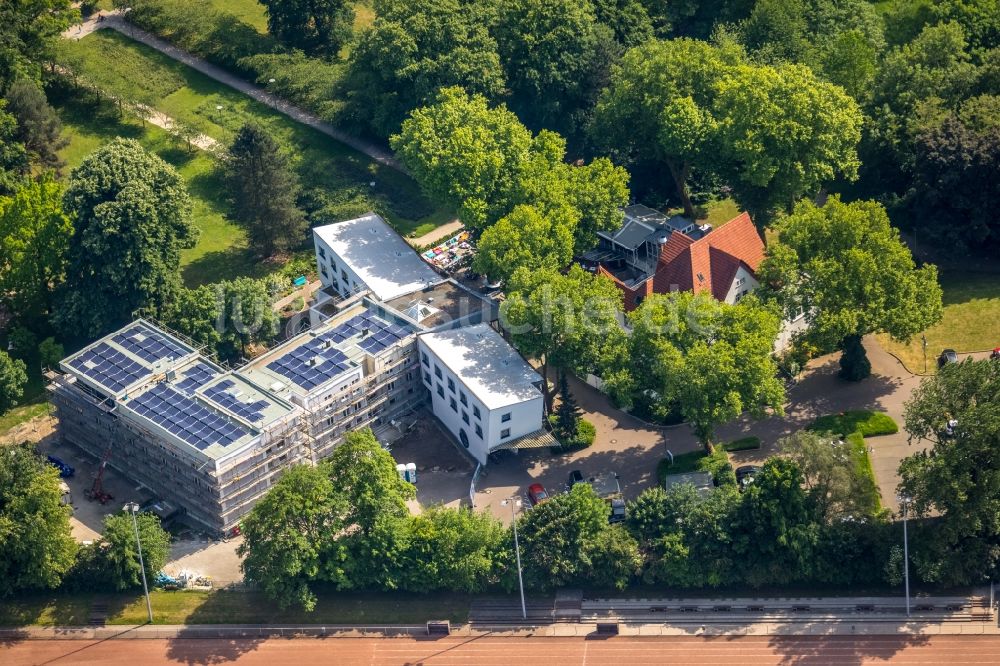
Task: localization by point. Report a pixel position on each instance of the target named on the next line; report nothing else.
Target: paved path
(444, 232)
(504, 651)
(305, 292)
(114, 21)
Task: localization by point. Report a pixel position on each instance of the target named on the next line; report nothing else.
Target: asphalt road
(503, 651)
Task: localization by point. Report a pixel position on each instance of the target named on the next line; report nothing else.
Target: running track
(502, 651)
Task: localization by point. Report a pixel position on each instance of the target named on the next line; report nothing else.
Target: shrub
(854, 363)
(586, 433)
(864, 422)
(717, 464)
(50, 353)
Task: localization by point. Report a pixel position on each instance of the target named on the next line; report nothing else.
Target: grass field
(228, 607)
(253, 13)
(971, 321)
(21, 414)
(866, 423)
(345, 181)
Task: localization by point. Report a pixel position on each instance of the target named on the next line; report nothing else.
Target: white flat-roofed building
(481, 389)
(366, 254)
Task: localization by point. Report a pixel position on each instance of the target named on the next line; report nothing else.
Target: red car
(537, 494)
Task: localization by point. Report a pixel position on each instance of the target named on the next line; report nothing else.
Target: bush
(864, 422)
(743, 444)
(586, 433)
(717, 464)
(50, 353)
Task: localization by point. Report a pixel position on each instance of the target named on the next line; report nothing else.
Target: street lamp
(133, 509)
(903, 501)
(923, 338)
(517, 549)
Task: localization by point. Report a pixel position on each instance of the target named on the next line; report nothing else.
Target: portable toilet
(401, 470)
(411, 473)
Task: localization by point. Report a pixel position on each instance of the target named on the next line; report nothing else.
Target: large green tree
(132, 217)
(708, 361)
(413, 49)
(846, 268)
(13, 155)
(262, 190)
(39, 129)
(318, 27)
(565, 320)
(118, 554)
(36, 547)
(34, 238)
(28, 29)
(13, 377)
(527, 238)
(957, 479)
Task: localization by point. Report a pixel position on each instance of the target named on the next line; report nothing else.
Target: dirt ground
(444, 473)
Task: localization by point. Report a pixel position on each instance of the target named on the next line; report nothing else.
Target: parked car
(617, 510)
(575, 477)
(65, 470)
(946, 357)
(537, 494)
(745, 475)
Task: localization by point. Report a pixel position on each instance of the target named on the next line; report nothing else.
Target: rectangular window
(475, 412)
(451, 384)
(454, 406)
(462, 398)
(343, 275)
(479, 431)
(465, 417)
(423, 357)
(427, 378)
(322, 252)
(440, 390)
(322, 269)
(505, 417)
(505, 433)
(437, 371)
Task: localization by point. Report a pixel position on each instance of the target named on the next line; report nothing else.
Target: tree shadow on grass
(223, 265)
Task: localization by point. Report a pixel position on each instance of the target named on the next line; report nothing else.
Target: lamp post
(517, 549)
(133, 509)
(923, 339)
(903, 501)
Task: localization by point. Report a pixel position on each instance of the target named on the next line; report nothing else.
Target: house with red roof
(653, 254)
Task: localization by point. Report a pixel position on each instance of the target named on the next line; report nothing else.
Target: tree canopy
(318, 27)
(132, 217)
(13, 377)
(118, 554)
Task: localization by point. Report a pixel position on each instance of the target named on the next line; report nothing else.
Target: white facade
(744, 282)
(366, 254)
(481, 389)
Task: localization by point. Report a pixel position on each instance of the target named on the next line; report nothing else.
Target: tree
(847, 269)
(710, 361)
(133, 217)
(980, 19)
(659, 106)
(565, 320)
(34, 239)
(415, 48)
(830, 472)
(556, 56)
(50, 353)
(118, 555)
(785, 133)
(287, 534)
(262, 189)
(958, 477)
(13, 377)
(526, 238)
(13, 156)
(36, 547)
(628, 19)
(28, 28)
(38, 127)
(568, 413)
(318, 27)
(465, 154)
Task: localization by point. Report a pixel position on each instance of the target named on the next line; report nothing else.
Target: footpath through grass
(339, 181)
(231, 607)
(971, 321)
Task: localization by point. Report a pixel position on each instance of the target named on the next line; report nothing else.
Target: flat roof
(441, 304)
(490, 368)
(383, 260)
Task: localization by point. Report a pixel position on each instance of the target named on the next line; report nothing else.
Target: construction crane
(96, 492)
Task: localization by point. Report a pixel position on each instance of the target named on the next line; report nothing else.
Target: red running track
(504, 651)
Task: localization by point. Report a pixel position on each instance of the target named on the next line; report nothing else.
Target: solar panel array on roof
(109, 367)
(251, 411)
(147, 344)
(195, 376)
(186, 418)
(377, 334)
(310, 364)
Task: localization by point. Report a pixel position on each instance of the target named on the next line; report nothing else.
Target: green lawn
(716, 213)
(21, 414)
(971, 321)
(230, 607)
(253, 13)
(866, 423)
(348, 182)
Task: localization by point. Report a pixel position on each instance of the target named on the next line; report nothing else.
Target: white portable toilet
(411, 473)
(401, 470)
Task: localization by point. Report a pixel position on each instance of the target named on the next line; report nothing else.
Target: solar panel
(148, 344)
(220, 395)
(195, 377)
(109, 367)
(185, 417)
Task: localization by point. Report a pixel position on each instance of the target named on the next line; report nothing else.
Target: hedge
(867, 423)
(743, 444)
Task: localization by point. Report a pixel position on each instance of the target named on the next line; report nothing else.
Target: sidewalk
(114, 21)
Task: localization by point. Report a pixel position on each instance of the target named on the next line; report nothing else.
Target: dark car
(946, 357)
(617, 511)
(65, 470)
(537, 494)
(745, 475)
(575, 477)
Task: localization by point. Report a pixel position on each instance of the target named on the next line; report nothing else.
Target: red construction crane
(96, 492)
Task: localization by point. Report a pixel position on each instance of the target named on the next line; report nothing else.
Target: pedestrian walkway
(115, 21)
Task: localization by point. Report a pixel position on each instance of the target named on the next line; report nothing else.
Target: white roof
(488, 367)
(378, 255)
